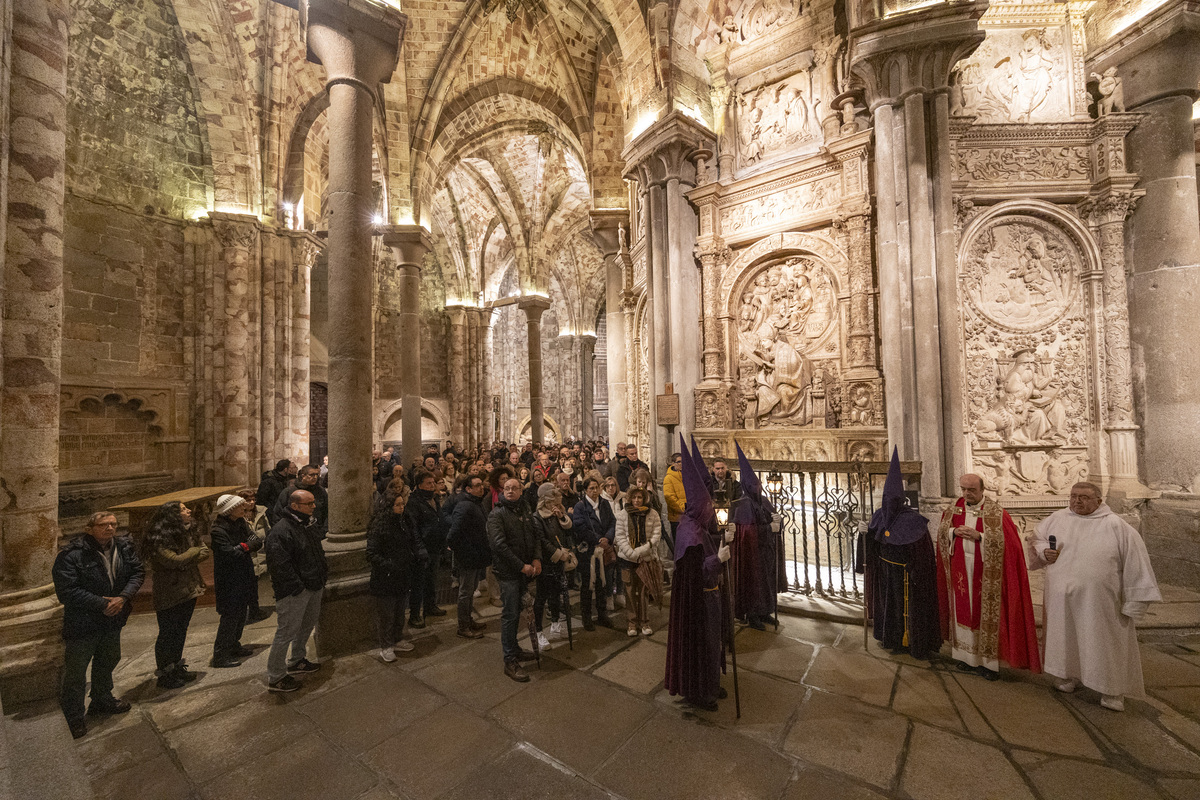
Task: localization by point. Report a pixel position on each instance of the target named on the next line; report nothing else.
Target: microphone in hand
(1053, 542)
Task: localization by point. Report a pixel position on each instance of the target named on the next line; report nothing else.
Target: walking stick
(737, 696)
(566, 603)
(533, 640)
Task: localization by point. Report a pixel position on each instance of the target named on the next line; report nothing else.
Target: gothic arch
(428, 408)
(1081, 236)
(524, 424)
(776, 246)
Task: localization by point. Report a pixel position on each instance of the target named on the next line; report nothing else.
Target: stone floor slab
(1134, 733)
(213, 745)
(591, 647)
(921, 693)
(942, 766)
(474, 678)
(673, 758)
(977, 727)
(463, 740)
(306, 769)
(768, 705)
(1161, 670)
(521, 773)
(136, 744)
(1029, 716)
(154, 779)
(813, 631)
(200, 701)
(1181, 788)
(364, 713)
(780, 656)
(813, 784)
(578, 719)
(854, 738)
(1184, 698)
(1063, 779)
(334, 674)
(639, 668)
(852, 674)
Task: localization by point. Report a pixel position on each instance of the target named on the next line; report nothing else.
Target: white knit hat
(227, 503)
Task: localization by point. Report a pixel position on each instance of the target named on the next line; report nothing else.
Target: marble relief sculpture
(1027, 408)
(1112, 94)
(1014, 76)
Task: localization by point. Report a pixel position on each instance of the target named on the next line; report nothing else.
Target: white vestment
(962, 647)
(1095, 591)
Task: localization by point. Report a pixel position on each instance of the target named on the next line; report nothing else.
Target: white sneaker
(477, 594)
(1113, 702)
(543, 642)
(647, 630)
(1066, 686)
(558, 630)
(387, 655)
(403, 646)
(609, 604)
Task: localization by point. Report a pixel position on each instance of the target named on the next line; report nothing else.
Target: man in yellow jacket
(673, 493)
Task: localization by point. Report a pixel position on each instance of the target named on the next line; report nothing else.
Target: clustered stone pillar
(534, 306)
(1158, 60)
(905, 66)
(459, 380)
(31, 348)
(609, 229)
(587, 385)
(410, 244)
(487, 326)
(358, 43)
(660, 160)
(309, 247)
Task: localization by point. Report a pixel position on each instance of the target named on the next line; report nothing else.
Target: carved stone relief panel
(1026, 343)
(1018, 74)
(782, 205)
(758, 17)
(1023, 163)
(776, 117)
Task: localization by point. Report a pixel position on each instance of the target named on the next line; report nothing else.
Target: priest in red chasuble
(983, 586)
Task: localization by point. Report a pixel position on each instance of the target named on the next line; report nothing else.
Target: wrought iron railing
(822, 503)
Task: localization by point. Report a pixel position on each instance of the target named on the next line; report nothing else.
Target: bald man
(983, 587)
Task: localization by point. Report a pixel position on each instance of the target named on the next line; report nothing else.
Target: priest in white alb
(1099, 583)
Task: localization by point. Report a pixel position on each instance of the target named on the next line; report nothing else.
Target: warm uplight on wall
(644, 121)
(377, 219)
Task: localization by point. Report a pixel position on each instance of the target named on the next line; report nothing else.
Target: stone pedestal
(534, 306)
(1158, 60)
(31, 349)
(358, 43)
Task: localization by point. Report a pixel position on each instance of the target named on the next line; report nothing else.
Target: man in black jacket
(516, 558)
(430, 528)
(298, 570)
(472, 553)
(95, 579)
(307, 480)
(628, 466)
(272, 484)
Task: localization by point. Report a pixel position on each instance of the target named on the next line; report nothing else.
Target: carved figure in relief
(1112, 93)
(860, 405)
(750, 129)
(782, 385)
(1020, 275)
(1026, 409)
(1032, 76)
(729, 30)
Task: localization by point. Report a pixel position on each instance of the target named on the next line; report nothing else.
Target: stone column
(487, 325)
(904, 64)
(31, 349)
(534, 306)
(1158, 60)
(473, 369)
(860, 360)
(300, 382)
(587, 388)
(659, 159)
(410, 244)
(610, 229)
(459, 399)
(237, 237)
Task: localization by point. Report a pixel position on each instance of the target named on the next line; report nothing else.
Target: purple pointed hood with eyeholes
(699, 516)
(754, 507)
(698, 461)
(895, 522)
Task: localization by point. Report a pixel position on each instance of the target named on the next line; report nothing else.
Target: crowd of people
(527, 526)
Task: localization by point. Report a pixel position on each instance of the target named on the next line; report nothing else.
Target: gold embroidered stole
(987, 639)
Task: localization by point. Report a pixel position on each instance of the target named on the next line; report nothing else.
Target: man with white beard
(1099, 583)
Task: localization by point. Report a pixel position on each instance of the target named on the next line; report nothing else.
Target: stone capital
(409, 243)
(357, 41)
(534, 305)
(235, 230)
(1156, 56)
(606, 230)
(664, 151)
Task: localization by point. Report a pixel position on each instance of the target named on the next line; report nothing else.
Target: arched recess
(110, 433)
(525, 427)
(389, 418)
(293, 171)
(217, 61)
(776, 246)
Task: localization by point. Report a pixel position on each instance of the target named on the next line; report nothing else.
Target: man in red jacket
(983, 586)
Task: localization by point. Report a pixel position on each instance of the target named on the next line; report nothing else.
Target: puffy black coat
(391, 551)
(81, 582)
(590, 525)
(320, 513)
(269, 487)
(295, 557)
(233, 564)
(468, 531)
(551, 536)
(515, 542)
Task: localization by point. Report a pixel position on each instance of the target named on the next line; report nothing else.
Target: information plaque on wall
(667, 406)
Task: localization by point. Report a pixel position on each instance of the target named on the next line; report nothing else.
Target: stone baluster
(31, 348)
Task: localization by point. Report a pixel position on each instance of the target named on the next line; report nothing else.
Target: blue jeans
(510, 614)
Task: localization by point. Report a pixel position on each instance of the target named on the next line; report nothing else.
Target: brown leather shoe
(468, 633)
(513, 670)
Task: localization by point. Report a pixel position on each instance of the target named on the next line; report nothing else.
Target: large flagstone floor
(820, 719)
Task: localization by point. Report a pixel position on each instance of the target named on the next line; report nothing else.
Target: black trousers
(102, 651)
(422, 593)
(549, 591)
(229, 630)
(172, 633)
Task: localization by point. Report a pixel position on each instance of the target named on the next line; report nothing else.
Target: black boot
(585, 609)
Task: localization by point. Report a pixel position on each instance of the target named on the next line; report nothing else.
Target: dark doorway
(318, 422)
